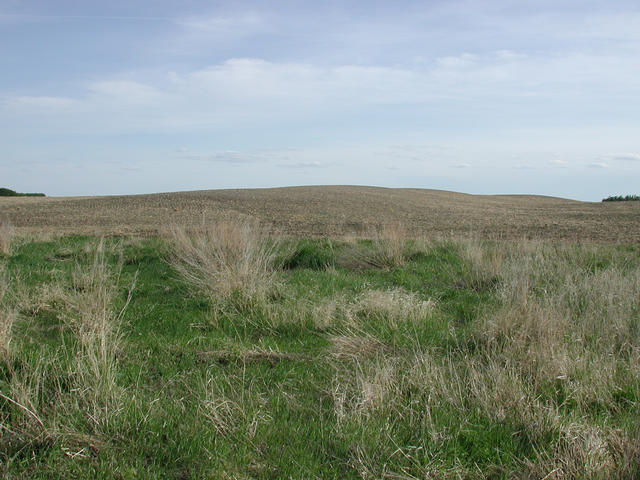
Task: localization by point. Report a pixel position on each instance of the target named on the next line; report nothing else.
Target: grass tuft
(385, 249)
(227, 260)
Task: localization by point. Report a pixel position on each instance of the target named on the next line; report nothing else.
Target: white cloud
(238, 91)
(598, 165)
(263, 156)
(303, 165)
(125, 92)
(625, 157)
(460, 62)
(221, 24)
(556, 162)
(39, 104)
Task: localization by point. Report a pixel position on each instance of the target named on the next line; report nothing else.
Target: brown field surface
(333, 211)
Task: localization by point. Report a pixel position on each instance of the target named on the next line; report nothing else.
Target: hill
(335, 211)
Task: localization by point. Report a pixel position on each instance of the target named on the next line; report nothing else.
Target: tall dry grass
(7, 317)
(387, 250)
(7, 233)
(97, 327)
(70, 392)
(227, 259)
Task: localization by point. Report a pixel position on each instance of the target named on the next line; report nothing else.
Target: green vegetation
(6, 192)
(620, 198)
(178, 358)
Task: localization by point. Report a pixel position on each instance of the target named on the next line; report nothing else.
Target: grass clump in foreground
(227, 259)
(467, 360)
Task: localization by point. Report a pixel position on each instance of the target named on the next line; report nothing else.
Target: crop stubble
(333, 211)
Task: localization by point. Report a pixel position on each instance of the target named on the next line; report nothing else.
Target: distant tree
(620, 198)
(7, 192)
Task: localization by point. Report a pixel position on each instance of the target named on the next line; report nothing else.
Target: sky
(484, 97)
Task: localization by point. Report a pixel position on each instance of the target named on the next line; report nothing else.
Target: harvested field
(333, 211)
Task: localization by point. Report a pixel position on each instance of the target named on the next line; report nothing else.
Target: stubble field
(334, 211)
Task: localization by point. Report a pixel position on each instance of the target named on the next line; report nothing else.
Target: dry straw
(387, 249)
(227, 259)
(7, 317)
(7, 233)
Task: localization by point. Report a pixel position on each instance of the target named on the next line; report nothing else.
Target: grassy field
(334, 211)
(229, 353)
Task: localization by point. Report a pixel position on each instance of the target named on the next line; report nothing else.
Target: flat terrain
(334, 211)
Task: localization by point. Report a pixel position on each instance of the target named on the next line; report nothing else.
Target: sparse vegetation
(465, 359)
(620, 198)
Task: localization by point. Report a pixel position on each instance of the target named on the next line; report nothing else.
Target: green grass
(450, 365)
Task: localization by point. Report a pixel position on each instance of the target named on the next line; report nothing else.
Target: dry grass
(388, 249)
(248, 356)
(56, 394)
(7, 232)
(393, 306)
(227, 259)
(231, 407)
(326, 311)
(96, 325)
(389, 246)
(346, 318)
(7, 318)
(355, 345)
(484, 260)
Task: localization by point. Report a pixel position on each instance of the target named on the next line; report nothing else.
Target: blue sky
(117, 97)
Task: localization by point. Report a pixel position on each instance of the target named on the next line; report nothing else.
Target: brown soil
(333, 211)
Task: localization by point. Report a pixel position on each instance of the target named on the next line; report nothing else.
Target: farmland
(334, 211)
